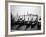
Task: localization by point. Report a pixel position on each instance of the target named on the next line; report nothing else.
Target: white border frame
(24, 32)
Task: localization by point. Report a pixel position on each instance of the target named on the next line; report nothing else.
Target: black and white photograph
(24, 18)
